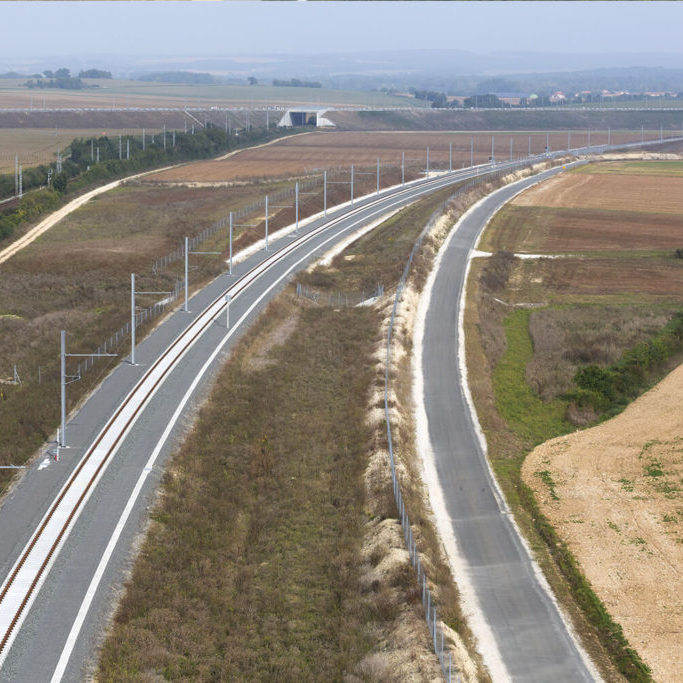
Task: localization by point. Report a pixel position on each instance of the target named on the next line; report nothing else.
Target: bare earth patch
(613, 493)
(618, 192)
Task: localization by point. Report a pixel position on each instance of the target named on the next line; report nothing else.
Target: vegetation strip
(253, 567)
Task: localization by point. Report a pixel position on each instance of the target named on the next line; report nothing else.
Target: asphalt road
(532, 639)
(41, 638)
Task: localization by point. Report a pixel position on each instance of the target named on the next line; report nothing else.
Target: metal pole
(164, 137)
(227, 311)
(296, 193)
(377, 176)
(661, 132)
(143, 139)
(16, 174)
(450, 156)
(547, 143)
(325, 194)
(62, 387)
(120, 149)
(351, 184)
(230, 245)
(642, 134)
(510, 149)
(427, 160)
(529, 154)
(493, 157)
(472, 150)
(186, 269)
(132, 318)
(609, 135)
(403, 168)
(266, 222)
(127, 149)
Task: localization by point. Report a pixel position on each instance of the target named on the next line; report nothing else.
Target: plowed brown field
(619, 192)
(544, 230)
(319, 150)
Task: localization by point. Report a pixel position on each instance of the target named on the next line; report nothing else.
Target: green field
(659, 168)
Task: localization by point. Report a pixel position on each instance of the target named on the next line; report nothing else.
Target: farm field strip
(337, 148)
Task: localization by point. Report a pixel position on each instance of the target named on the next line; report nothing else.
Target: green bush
(607, 388)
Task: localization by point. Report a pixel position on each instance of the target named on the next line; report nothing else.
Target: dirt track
(623, 520)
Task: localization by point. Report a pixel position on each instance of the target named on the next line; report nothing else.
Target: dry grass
(77, 277)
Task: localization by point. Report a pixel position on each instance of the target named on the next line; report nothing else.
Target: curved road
(77, 586)
(522, 636)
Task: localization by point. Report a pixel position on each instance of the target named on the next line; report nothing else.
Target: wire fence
(429, 604)
(346, 299)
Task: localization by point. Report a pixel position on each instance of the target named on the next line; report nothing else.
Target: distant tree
(48, 74)
(252, 81)
(94, 73)
(59, 182)
(488, 101)
(63, 73)
(440, 101)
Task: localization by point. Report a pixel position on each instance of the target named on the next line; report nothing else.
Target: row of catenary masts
(168, 138)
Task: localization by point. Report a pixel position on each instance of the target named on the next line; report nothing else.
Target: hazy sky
(182, 28)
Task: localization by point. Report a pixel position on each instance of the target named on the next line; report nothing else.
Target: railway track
(25, 578)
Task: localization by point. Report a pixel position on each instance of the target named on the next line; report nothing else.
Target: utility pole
(16, 174)
(325, 194)
(529, 152)
(143, 139)
(187, 255)
(427, 160)
(267, 218)
(403, 169)
(547, 143)
(230, 246)
(173, 138)
(661, 132)
(609, 135)
(493, 155)
(21, 182)
(92, 150)
(472, 150)
(351, 184)
(128, 149)
(642, 134)
(267, 120)
(132, 318)
(377, 177)
(226, 122)
(450, 156)
(164, 137)
(63, 381)
(296, 209)
(98, 155)
(510, 149)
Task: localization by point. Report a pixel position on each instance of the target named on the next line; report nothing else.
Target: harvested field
(568, 279)
(320, 150)
(618, 192)
(618, 505)
(539, 229)
(35, 146)
(122, 93)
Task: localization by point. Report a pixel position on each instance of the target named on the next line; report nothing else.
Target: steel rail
(140, 394)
